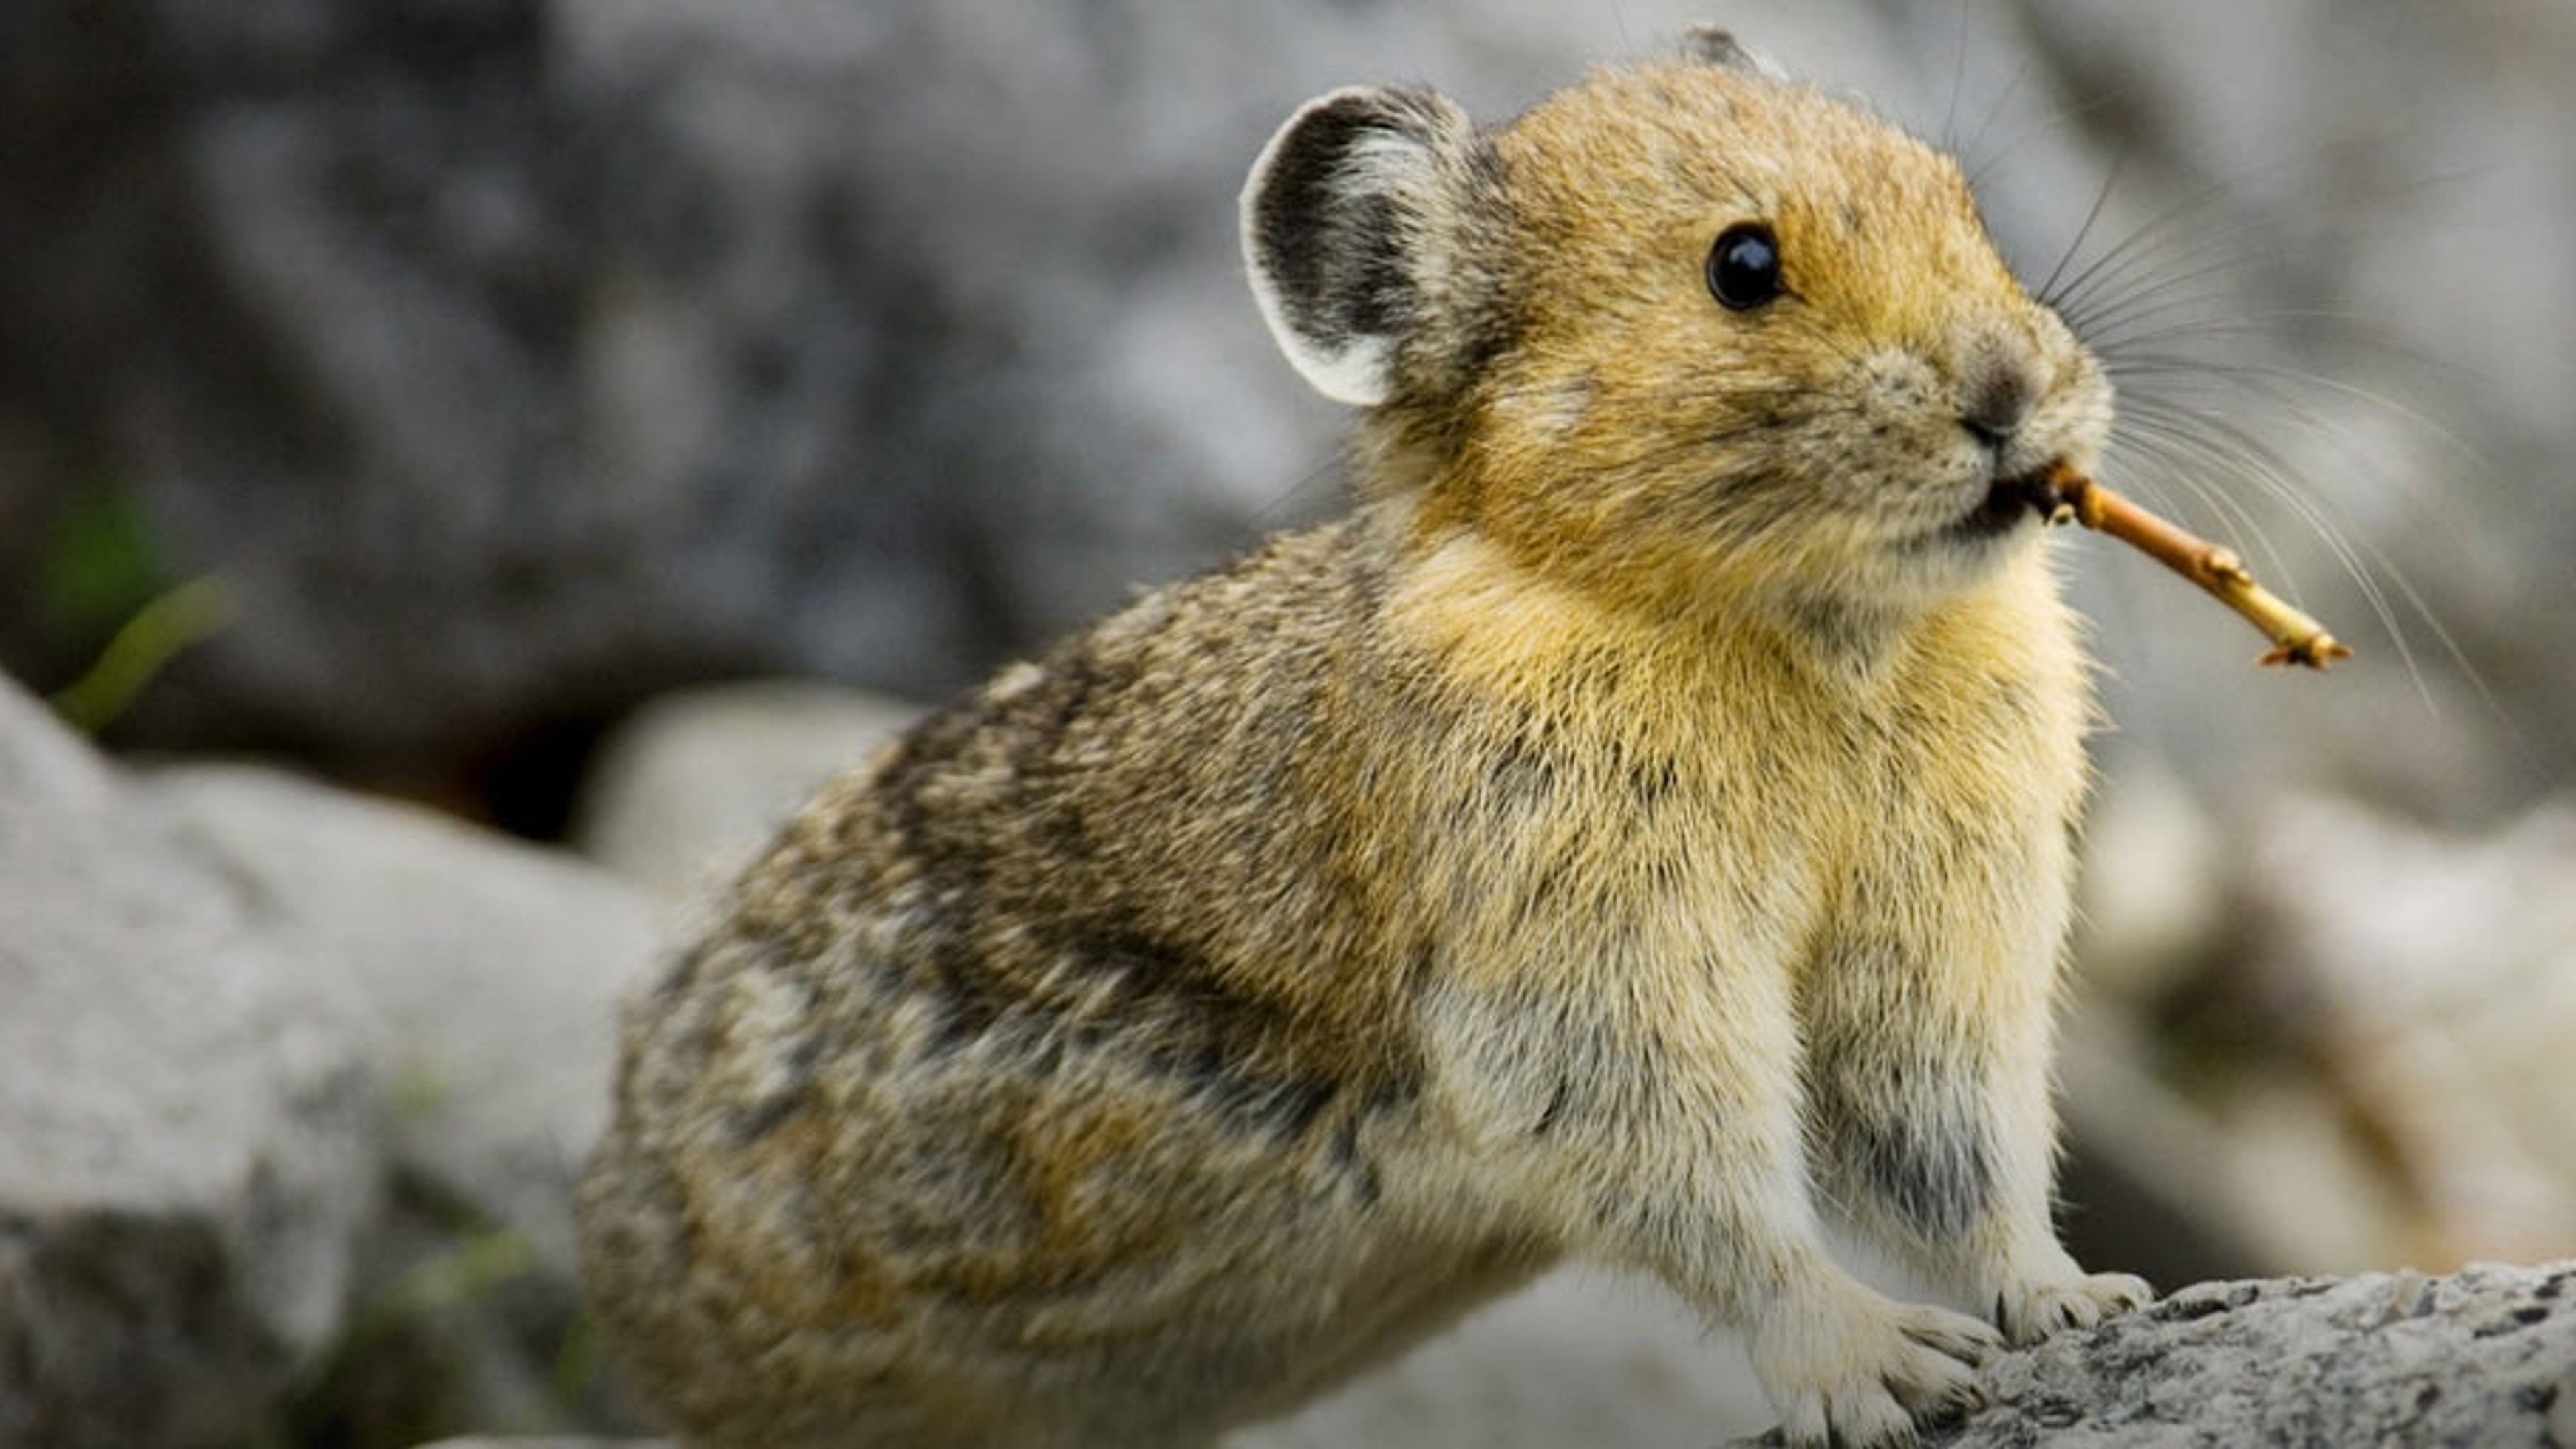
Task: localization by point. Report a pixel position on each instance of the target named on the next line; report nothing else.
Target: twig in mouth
(2063, 495)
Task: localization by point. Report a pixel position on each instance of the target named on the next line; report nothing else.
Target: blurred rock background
(435, 396)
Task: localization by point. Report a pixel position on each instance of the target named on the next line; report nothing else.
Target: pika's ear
(1351, 221)
(1716, 45)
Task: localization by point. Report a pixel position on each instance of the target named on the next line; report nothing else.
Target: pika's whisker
(2232, 450)
(2047, 290)
(2181, 467)
(2276, 382)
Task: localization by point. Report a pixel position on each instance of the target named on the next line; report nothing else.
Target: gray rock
(186, 1120)
(488, 971)
(2482, 1359)
(293, 1087)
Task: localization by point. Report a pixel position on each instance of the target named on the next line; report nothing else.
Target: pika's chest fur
(1629, 836)
(1633, 777)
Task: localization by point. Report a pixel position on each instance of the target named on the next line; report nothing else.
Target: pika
(1642, 821)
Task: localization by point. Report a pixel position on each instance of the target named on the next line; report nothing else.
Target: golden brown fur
(1645, 818)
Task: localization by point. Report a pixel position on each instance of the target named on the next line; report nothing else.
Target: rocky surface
(292, 1088)
(488, 968)
(487, 972)
(589, 346)
(2483, 1359)
(187, 1114)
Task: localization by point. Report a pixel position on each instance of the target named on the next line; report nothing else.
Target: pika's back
(940, 1112)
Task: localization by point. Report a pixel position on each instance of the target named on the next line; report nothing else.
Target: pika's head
(1686, 332)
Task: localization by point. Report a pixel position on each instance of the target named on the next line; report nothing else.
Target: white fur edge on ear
(1361, 374)
(1361, 371)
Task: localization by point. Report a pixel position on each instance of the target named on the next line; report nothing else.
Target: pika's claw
(1860, 1371)
(2037, 1310)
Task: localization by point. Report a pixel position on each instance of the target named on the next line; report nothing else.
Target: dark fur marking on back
(1352, 1163)
(1555, 1109)
(1231, 1050)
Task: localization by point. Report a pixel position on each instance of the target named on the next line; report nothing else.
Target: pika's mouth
(2008, 501)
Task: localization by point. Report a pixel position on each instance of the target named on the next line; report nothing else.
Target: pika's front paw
(2029, 1312)
(1853, 1369)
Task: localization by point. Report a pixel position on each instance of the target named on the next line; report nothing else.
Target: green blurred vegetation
(104, 583)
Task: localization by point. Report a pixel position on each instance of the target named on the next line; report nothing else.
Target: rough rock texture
(490, 968)
(2482, 1359)
(293, 1086)
(585, 346)
(186, 1121)
(488, 971)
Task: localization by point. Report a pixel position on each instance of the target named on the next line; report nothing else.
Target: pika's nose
(1996, 402)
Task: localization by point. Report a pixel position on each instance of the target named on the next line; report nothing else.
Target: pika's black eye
(1744, 266)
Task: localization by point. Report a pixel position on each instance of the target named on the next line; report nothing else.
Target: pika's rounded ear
(1350, 223)
(1716, 45)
